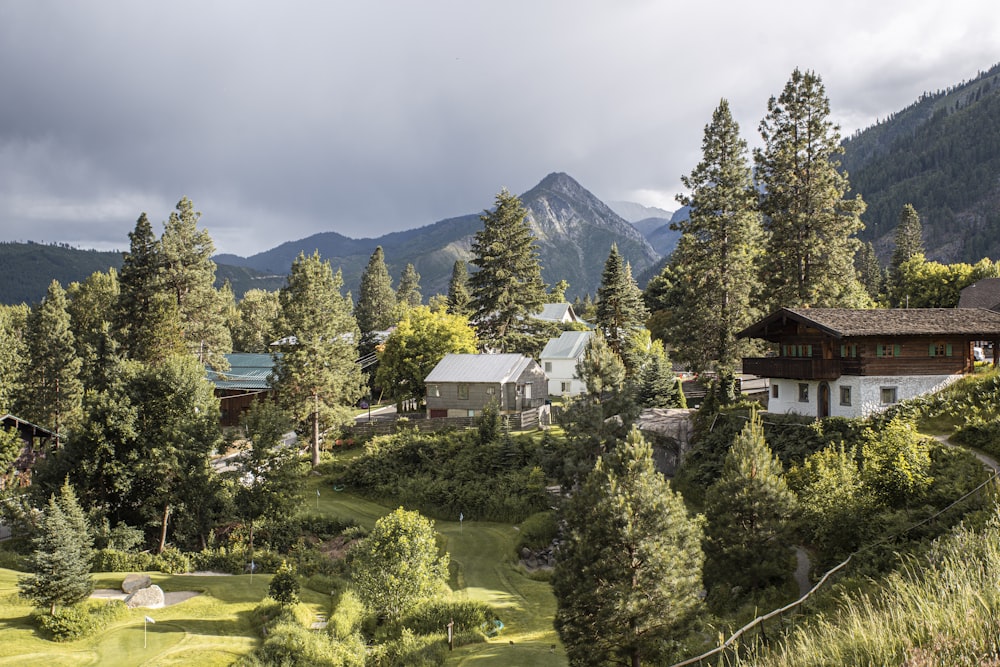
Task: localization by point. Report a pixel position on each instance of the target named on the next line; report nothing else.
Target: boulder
(134, 582)
(151, 597)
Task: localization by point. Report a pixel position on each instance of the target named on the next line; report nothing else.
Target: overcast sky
(285, 118)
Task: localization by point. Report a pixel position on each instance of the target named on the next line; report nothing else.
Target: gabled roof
(479, 368)
(8, 420)
(557, 312)
(569, 345)
(844, 322)
(983, 293)
(246, 371)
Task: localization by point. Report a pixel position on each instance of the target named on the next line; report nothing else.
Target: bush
(81, 620)
(112, 560)
(172, 561)
(222, 559)
(289, 643)
(284, 587)
(347, 617)
(538, 531)
(433, 616)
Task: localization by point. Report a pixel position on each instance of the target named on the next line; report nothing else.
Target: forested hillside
(942, 155)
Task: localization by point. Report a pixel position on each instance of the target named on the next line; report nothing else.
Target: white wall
(866, 393)
(563, 370)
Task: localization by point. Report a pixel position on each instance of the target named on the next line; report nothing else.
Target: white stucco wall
(866, 393)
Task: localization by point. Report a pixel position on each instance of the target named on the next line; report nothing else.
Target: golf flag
(317, 493)
(149, 620)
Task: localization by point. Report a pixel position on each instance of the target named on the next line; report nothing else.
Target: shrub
(172, 561)
(433, 616)
(222, 559)
(538, 531)
(289, 643)
(112, 560)
(284, 587)
(347, 617)
(81, 620)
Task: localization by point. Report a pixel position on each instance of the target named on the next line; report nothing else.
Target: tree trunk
(315, 438)
(163, 527)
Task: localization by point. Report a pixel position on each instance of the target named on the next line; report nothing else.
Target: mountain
(635, 213)
(26, 269)
(942, 155)
(574, 229)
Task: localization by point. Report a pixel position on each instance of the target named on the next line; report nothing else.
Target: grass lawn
(483, 569)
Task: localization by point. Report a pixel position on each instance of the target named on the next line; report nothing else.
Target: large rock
(134, 582)
(151, 597)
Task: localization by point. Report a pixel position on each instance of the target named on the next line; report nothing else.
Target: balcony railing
(792, 368)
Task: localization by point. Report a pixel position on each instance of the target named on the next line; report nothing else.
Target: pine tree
(408, 292)
(870, 271)
(147, 322)
(909, 237)
(13, 353)
(59, 565)
(91, 310)
(809, 252)
(658, 386)
(52, 387)
(459, 301)
(748, 511)
(620, 308)
(316, 375)
(256, 328)
(376, 308)
(507, 289)
(628, 571)
(189, 277)
(717, 259)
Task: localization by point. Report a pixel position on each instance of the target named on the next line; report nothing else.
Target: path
(987, 461)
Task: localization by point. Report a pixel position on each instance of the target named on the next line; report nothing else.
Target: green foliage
(317, 377)
(749, 511)
(421, 339)
(59, 566)
(408, 291)
(909, 238)
(808, 258)
(629, 567)
(255, 327)
(289, 644)
(172, 561)
(398, 565)
(620, 308)
(459, 300)
(13, 352)
(284, 586)
(348, 616)
(896, 463)
(917, 283)
(538, 531)
(113, 560)
(508, 286)
(446, 474)
(432, 616)
(600, 368)
(80, 620)
(715, 261)
(376, 307)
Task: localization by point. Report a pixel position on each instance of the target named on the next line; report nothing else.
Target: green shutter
(948, 349)
(931, 350)
(897, 350)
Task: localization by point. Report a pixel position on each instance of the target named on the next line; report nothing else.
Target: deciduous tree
(398, 564)
(628, 570)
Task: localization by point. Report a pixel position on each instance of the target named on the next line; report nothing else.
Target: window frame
(803, 392)
(882, 393)
(462, 389)
(845, 397)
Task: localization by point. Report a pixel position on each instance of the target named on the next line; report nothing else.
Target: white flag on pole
(149, 620)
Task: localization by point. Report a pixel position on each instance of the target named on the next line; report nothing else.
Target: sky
(287, 118)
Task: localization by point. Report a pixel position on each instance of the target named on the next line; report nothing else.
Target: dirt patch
(336, 548)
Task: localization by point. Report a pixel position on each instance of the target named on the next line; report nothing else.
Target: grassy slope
(214, 628)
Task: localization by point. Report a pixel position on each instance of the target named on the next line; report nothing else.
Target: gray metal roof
(246, 372)
(481, 368)
(569, 345)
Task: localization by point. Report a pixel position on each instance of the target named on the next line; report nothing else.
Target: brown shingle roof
(983, 293)
(842, 322)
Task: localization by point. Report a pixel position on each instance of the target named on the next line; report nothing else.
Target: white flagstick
(145, 620)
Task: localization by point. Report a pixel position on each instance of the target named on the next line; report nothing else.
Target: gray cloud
(280, 120)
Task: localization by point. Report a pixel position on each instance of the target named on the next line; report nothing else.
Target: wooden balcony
(793, 368)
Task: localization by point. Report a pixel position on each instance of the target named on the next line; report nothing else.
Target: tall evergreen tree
(748, 511)
(870, 271)
(658, 386)
(189, 277)
(13, 353)
(147, 323)
(628, 571)
(376, 308)
(52, 387)
(809, 251)
(507, 289)
(59, 564)
(909, 237)
(459, 301)
(408, 292)
(91, 310)
(620, 308)
(257, 324)
(316, 375)
(717, 259)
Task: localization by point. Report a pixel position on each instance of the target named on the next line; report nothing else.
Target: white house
(559, 359)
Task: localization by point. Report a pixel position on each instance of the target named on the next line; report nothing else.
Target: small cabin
(851, 363)
(462, 385)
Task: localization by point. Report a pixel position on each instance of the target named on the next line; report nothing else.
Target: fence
(519, 421)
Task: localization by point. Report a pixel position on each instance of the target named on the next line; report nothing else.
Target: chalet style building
(851, 363)
(246, 381)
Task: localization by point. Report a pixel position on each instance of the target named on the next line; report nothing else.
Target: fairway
(483, 558)
(213, 628)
